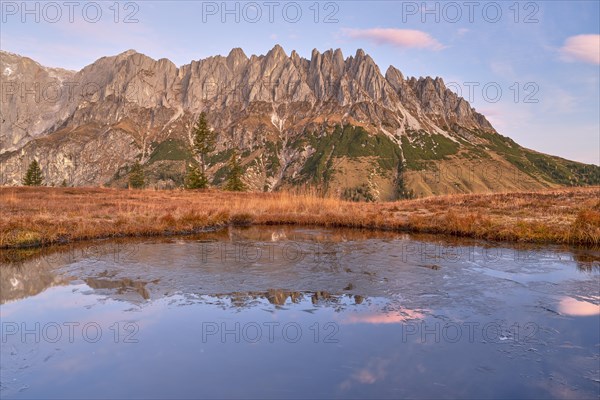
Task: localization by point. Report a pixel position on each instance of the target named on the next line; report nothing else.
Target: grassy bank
(40, 216)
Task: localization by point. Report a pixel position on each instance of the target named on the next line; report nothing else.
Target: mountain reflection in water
(301, 312)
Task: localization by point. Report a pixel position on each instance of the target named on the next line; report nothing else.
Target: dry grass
(40, 216)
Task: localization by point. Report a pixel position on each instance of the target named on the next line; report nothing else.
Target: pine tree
(33, 177)
(401, 191)
(136, 176)
(204, 143)
(234, 179)
(194, 178)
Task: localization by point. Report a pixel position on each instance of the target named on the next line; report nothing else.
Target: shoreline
(38, 217)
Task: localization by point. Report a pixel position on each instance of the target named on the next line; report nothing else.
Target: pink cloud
(405, 38)
(584, 48)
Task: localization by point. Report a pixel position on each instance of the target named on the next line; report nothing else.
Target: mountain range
(330, 123)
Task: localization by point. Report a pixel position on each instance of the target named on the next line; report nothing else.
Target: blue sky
(544, 56)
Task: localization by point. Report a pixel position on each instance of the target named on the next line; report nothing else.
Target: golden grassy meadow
(41, 216)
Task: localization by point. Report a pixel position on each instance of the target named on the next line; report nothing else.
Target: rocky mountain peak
(277, 53)
(394, 77)
(219, 81)
(128, 53)
(262, 104)
(236, 55)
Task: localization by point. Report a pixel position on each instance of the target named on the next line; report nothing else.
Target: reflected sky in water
(300, 313)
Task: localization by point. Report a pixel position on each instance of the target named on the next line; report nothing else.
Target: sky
(531, 67)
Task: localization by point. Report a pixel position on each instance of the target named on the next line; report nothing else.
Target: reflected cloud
(375, 371)
(377, 318)
(577, 308)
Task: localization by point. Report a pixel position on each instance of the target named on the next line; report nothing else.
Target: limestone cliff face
(87, 127)
(30, 105)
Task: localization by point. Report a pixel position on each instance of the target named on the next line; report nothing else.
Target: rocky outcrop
(38, 100)
(97, 121)
(30, 104)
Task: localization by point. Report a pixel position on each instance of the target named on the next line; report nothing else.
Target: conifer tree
(136, 176)
(234, 178)
(204, 140)
(194, 178)
(33, 176)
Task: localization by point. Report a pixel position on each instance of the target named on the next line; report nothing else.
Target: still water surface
(300, 313)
